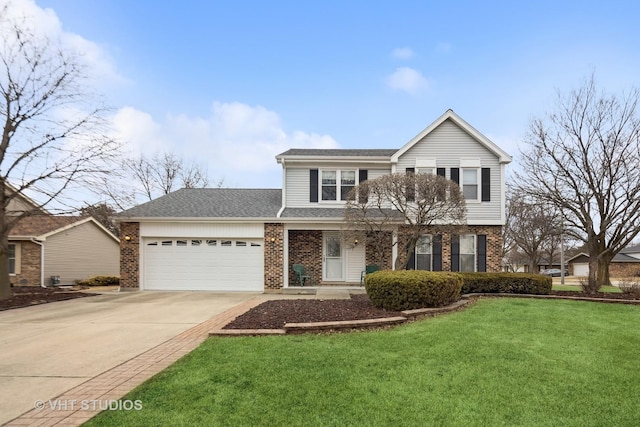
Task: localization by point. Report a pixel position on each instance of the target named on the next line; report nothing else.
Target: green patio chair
(302, 276)
(371, 268)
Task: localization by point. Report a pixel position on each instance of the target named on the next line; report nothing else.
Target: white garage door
(581, 269)
(203, 264)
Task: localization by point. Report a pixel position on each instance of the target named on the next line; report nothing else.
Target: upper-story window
(336, 184)
(470, 183)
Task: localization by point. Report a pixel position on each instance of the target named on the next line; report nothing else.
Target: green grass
(500, 362)
(577, 288)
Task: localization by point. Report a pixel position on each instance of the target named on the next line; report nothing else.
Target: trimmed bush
(100, 281)
(407, 290)
(510, 283)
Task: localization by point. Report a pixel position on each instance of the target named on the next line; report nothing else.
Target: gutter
(39, 243)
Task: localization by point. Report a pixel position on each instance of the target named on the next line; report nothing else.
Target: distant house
(66, 247)
(625, 264)
(251, 239)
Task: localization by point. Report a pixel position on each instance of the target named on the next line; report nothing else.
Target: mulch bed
(26, 296)
(274, 314)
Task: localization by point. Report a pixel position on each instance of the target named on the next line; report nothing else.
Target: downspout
(37, 242)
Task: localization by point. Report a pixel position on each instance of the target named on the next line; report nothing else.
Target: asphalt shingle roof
(211, 203)
(376, 152)
(38, 225)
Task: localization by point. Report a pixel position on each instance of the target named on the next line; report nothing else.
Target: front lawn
(500, 362)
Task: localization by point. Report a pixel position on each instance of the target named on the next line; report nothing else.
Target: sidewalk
(82, 402)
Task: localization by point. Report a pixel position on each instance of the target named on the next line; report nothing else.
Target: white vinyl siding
(355, 263)
(297, 182)
(448, 143)
(80, 252)
(185, 229)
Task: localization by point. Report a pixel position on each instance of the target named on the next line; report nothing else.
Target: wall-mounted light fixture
(127, 238)
(356, 241)
(272, 240)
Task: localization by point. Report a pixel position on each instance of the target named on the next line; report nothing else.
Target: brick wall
(130, 255)
(29, 265)
(305, 247)
(624, 269)
(383, 241)
(273, 256)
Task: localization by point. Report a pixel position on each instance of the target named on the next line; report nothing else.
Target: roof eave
(194, 219)
(344, 159)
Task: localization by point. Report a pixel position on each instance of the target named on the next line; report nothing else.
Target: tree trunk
(5, 280)
(602, 274)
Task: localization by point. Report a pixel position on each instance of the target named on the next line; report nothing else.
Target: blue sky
(230, 84)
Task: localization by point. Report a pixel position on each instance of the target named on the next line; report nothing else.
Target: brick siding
(273, 256)
(30, 264)
(305, 247)
(130, 255)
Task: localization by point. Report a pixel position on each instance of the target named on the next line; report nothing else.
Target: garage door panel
(204, 266)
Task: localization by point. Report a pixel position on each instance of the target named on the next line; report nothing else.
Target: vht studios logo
(88, 405)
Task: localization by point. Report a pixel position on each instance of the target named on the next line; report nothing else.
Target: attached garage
(196, 261)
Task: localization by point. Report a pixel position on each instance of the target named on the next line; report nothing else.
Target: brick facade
(273, 256)
(385, 238)
(130, 255)
(30, 264)
(624, 269)
(305, 247)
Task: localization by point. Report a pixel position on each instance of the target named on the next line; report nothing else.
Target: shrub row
(410, 289)
(100, 281)
(511, 283)
(406, 290)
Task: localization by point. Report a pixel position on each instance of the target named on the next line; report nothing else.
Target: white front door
(333, 258)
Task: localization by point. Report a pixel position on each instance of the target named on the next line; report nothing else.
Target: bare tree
(55, 134)
(584, 158)
(104, 214)
(531, 226)
(163, 172)
(413, 204)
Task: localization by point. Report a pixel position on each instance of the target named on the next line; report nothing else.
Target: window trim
(17, 258)
(338, 185)
(474, 252)
(478, 184)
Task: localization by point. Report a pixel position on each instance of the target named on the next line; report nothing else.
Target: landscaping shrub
(511, 283)
(406, 290)
(630, 286)
(100, 281)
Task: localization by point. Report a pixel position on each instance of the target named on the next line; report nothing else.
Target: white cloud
(402, 53)
(45, 23)
(236, 141)
(408, 80)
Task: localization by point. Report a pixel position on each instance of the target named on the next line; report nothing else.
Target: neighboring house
(248, 239)
(626, 263)
(66, 247)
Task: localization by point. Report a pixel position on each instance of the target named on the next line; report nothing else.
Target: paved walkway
(82, 402)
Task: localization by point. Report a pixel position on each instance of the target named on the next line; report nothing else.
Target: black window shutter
(486, 184)
(455, 175)
(437, 253)
(455, 253)
(411, 262)
(411, 192)
(440, 172)
(482, 252)
(313, 185)
(363, 175)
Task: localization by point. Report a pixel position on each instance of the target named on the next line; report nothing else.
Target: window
(167, 243)
(240, 243)
(225, 243)
(424, 254)
(152, 244)
(196, 242)
(12, 258)
(255, 245)
(212, 242)
(470, 184)
(181, 243)
(468, 253)
(337, 182)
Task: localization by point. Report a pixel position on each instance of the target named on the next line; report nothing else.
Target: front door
(333, 263)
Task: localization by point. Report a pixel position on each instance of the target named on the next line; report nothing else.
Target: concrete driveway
(50, 348)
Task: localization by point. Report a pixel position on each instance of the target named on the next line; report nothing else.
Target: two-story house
(249, 239)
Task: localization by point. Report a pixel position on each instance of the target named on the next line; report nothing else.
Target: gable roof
(241, 203)
(42, 226)
(334, 153)
(503, 157)
(619, 257)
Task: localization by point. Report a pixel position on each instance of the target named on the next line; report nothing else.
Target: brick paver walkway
(82, 402)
